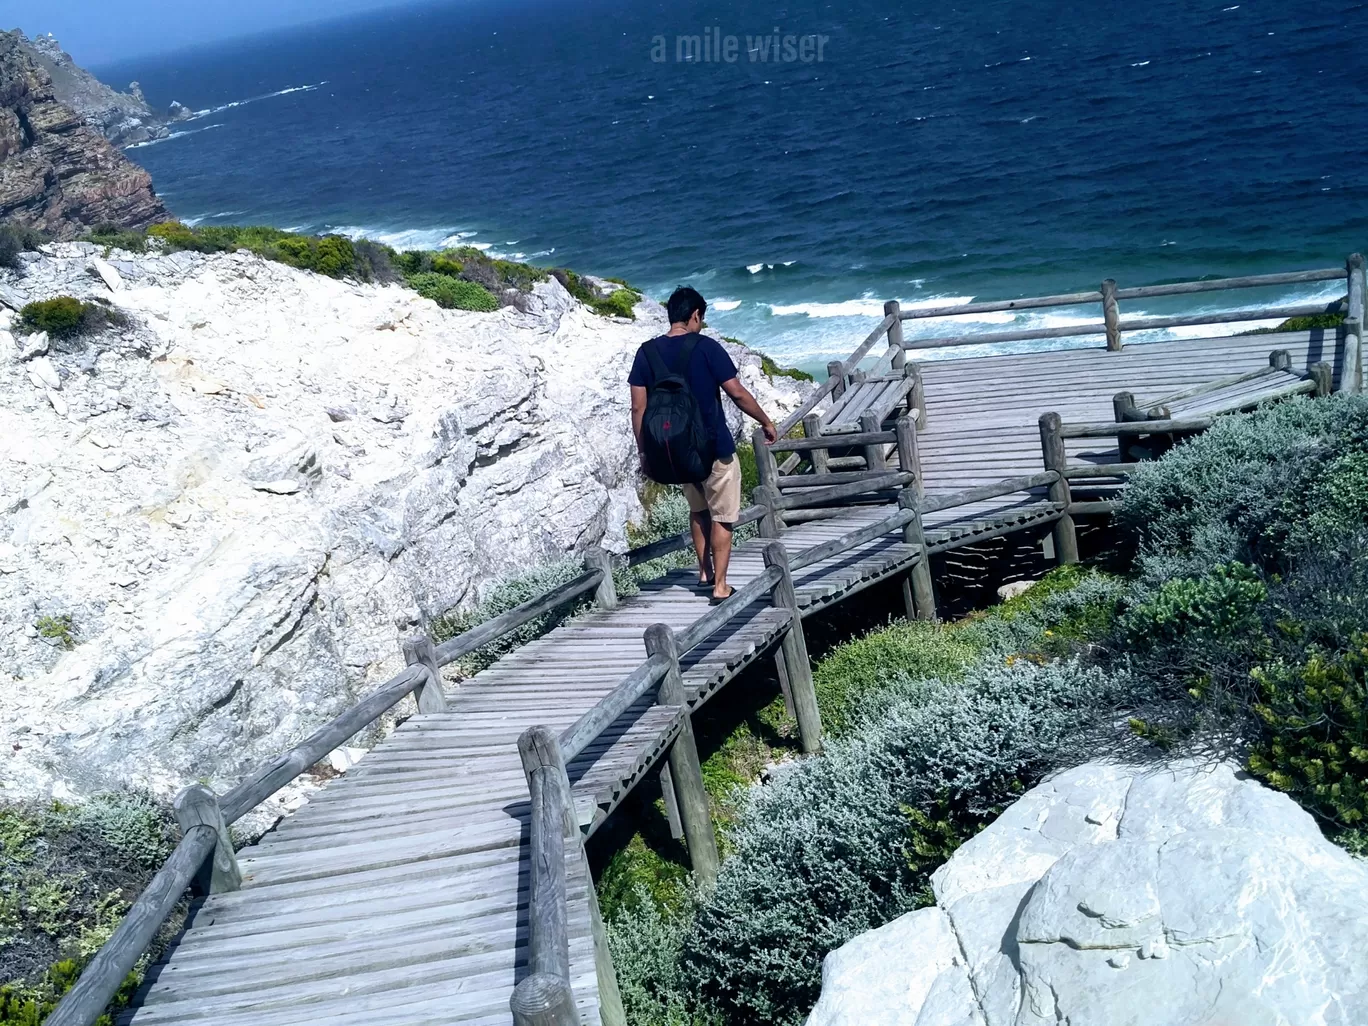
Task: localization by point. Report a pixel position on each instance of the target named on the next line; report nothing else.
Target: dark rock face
(57, 173)
(123, 118)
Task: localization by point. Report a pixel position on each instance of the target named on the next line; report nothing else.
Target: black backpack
(677, 444)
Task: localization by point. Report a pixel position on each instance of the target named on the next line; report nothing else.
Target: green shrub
(68, 873)
(113, 237)
(509, 594)
(620, 303)
(453, 293)
(60, 317)
(1223, 603)
(14, 240)
(1243, 491)
(646, 944)
(1315, 744)
(57, 628)
(1332, 318)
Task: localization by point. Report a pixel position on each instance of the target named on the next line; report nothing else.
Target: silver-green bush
(830, 849)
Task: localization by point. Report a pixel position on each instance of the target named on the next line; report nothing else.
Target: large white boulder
(1186, 895)
(252, 493)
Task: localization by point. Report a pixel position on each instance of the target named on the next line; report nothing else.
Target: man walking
(704, 368)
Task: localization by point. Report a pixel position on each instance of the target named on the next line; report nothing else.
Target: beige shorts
(720, 494)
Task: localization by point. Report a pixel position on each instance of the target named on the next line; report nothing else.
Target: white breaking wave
(757, 268)
(253, 99)
(866, 307)
(726, 305)
(173, 135)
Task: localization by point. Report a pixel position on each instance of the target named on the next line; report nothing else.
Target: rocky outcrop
(122, 118)
(1128, 897)
(57, 173)
(244, 499)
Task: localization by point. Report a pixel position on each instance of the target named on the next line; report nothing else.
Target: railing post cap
(892, 307)
(1050, 420)
(535, 736)
(776, 554)
(1355, 261)
(659, 637)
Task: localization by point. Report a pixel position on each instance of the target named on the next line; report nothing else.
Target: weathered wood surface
(399, 894)
(982, 413)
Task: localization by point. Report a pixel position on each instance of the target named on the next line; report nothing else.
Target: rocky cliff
(244, 499)
(57, 173)
(122, 118)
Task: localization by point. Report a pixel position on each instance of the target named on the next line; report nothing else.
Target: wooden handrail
(858, 439)
(580, 734)
(858, 536)
(269, 778)
(492, 630)
(809, 497)
(1143, 427)
(703, 628)
(677, 542)
(936, 503)
(101, 979)
(849, 364)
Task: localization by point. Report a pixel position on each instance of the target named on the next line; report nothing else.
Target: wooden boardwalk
(444, 871)
(398, 893)
(982, 413)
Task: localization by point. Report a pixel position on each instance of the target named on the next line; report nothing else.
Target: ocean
(800, 163)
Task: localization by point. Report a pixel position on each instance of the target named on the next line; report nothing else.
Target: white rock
(1014, 589)
(43, 374)
(33, 345)
(258, 619)
(284, 486)
(858, 989)
(99, 441)
(107, 274)
(59, 404)
(1205, 898)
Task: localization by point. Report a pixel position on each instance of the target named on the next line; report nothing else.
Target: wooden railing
(204, 862)
(1109, 297)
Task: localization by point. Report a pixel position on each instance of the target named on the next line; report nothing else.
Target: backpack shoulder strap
(686, 354)
(659, 369)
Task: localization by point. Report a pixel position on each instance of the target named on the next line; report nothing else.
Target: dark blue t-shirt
(708, 368)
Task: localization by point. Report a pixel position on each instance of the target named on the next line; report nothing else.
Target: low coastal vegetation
(65, 317)
(15, 239)
(464, 278)
(770, 368)
(1232, 625)
(68, 872)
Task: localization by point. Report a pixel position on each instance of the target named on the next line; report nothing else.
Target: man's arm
(747, 404)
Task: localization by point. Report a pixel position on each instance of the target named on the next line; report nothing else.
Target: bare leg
(701, 526)
(721, 557)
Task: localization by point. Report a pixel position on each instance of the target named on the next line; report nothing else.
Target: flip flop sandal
(715, 601)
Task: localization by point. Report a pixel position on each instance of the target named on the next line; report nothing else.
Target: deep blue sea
(935, 151)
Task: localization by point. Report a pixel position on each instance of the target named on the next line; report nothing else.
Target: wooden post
(772, 523)
(1111, 314)
(198, 806)
(543, 1000)
(544, 763)
(1280, 359)
(836, 369)
(918, 397)
(605, 596)
(919, 594)
(909, 457)
(1057, 459)
(1324, 377)
(685, 770)
(795, 651)
(812, 428)
(895, 333)
(1351, 373)
(874, 454)
(1124, 412)
(671, 796)
(420, 651)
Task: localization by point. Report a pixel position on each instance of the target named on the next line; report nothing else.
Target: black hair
(684, 303)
